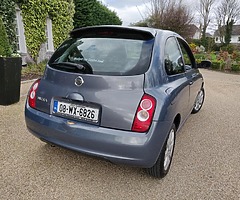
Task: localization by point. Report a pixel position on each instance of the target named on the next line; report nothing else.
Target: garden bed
(221, 61)
(32, 71)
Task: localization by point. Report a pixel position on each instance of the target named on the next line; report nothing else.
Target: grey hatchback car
(120, 93)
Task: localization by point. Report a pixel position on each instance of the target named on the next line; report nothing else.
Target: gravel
(206, 163)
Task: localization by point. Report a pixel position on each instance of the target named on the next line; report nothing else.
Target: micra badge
(42, 99)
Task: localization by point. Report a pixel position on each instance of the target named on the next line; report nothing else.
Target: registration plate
(76, 111)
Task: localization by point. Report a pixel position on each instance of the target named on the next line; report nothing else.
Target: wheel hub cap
(199, 100)
(169, 149)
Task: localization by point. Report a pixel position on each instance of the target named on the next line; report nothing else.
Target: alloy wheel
(199, 100)
(169, 149)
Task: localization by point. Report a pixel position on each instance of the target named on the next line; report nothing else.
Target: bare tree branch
(171, 15)
(204, 11)
(227, 14)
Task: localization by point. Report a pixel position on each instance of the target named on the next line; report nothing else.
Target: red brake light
(144, 115)
(32, 94)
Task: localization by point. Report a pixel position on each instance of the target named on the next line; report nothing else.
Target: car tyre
(162, 166)
(199, 101)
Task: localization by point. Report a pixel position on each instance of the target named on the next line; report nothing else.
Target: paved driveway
(206, 163)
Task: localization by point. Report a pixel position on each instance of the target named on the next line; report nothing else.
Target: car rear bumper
(117, 146)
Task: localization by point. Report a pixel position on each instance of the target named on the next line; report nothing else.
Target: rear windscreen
(106, 56)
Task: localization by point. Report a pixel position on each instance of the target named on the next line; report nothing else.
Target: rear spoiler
(114, 32)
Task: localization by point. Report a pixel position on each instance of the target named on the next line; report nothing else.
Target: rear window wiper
(69, 65)
(72, 67)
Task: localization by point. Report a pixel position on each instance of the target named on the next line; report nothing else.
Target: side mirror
(205, 64)
(188, 67)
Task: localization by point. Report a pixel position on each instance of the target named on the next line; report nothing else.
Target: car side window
(187, 55)
(173, 58)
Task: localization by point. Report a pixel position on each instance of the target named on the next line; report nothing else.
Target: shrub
(223, 65)
(37, 69)
(200, 56)
(8, 13)
(197, 42)
(236, 56)
(229, 48)
(193, 47)
(213, 56)
(236, 67)
(223, 55)
(5, 49)
(216, 47)
(217, 65)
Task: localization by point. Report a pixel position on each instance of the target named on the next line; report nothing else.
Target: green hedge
(93, 12)
(5, 49)
(8, 13)
(236, 67)
(35, 13)
(217, 65)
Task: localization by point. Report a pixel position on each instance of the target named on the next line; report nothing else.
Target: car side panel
(196, 82)
(171, 92)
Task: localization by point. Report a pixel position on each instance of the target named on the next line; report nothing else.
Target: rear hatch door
(97, 76)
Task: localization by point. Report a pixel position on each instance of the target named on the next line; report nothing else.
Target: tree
(143, 23)
(171, 15)
(92, 12)
(204, 11)
(227, 14)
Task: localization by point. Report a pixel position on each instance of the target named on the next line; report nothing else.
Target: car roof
(151, 32)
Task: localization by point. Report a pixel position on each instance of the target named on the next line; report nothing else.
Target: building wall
(218, 40)
(234, 40)
(197, 35)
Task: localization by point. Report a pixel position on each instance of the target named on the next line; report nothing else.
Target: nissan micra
(120, 93)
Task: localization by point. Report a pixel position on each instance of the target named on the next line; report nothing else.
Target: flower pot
(10, 80)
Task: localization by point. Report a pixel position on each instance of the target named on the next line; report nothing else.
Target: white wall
(235, 39)
(197, 35)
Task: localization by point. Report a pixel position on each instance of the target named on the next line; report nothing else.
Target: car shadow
(64, 161)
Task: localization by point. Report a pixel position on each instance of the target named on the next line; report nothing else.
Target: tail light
(144, 115)
(32, 94)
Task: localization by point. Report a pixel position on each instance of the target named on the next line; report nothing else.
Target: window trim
(49, 35)
(20, 35)
(188, 51)
(180, 51)
(138, 67)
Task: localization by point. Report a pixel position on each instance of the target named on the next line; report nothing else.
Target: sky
(131, 11)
